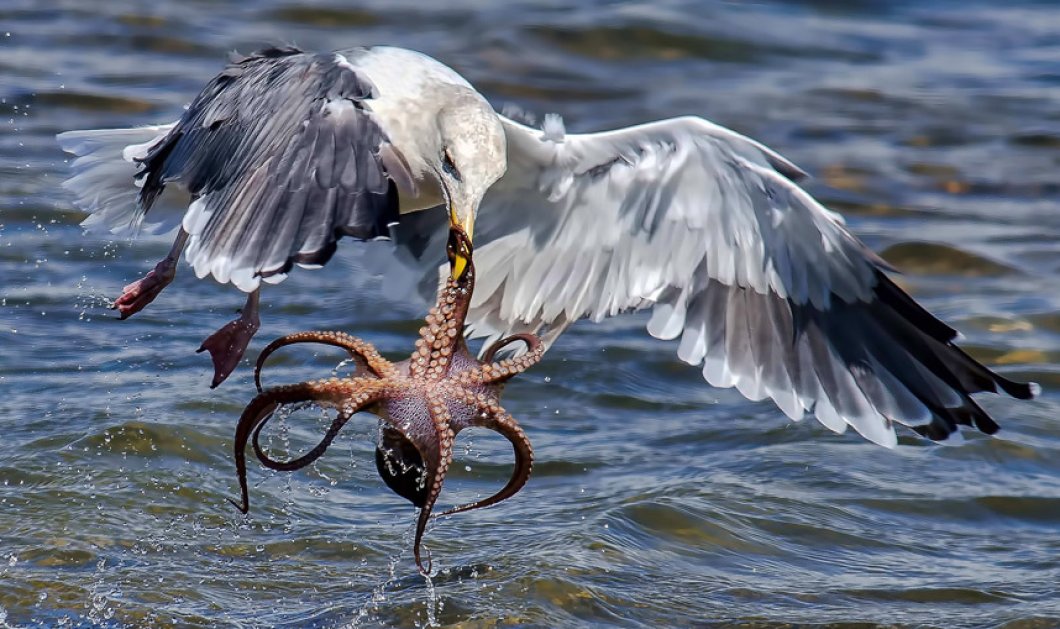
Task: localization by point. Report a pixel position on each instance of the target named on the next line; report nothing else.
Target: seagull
(285, 152)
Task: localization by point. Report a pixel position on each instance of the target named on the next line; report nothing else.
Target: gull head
(472, 155)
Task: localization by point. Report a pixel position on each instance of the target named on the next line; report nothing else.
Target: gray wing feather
(284, 159)
(765, 289)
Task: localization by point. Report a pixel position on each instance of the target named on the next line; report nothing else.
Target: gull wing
(282, 156)
(766, 289)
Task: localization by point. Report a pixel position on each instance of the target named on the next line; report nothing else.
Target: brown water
(657, 501)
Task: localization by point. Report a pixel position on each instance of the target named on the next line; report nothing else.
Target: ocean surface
(656, 500)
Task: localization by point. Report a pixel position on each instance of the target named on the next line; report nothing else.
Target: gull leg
(137, 295)
(227, 345)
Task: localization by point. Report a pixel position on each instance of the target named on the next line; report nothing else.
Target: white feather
(104, 178)
(589, 226)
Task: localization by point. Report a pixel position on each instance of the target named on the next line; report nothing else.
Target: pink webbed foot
(137, 295)
(227, 345)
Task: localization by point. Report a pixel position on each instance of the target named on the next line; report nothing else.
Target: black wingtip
(786, 168)
(1019, 390)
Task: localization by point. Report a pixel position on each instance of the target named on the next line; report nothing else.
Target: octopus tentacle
(496, 418)
(504, 370)
(437, 463)
(369, 393)
(532, 342)
(324, 392)
(442, 336)
(421, 526)
(364, 355)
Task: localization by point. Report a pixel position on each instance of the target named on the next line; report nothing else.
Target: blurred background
(934, 126)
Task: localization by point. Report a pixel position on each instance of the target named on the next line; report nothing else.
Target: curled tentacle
(363, 354)
(504, 370)
(307, 458)
(368, 394)
(503, 423)
(532, 343)
(261, 408)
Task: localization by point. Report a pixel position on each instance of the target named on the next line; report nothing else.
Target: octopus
(422, 403)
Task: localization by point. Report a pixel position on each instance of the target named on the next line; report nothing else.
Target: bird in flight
(285, 152)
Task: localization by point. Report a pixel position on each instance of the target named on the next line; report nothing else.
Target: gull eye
(448, 166)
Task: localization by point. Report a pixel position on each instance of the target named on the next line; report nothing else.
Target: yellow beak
(460, 261)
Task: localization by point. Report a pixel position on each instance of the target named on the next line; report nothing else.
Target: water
(656, 500)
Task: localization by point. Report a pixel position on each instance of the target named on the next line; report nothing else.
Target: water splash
(433, 603)
(378, 595)
(3, 619)
(100, 608)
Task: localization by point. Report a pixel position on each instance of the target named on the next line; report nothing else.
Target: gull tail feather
(103, 178)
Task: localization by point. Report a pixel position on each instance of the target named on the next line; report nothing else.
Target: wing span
(766, 289)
